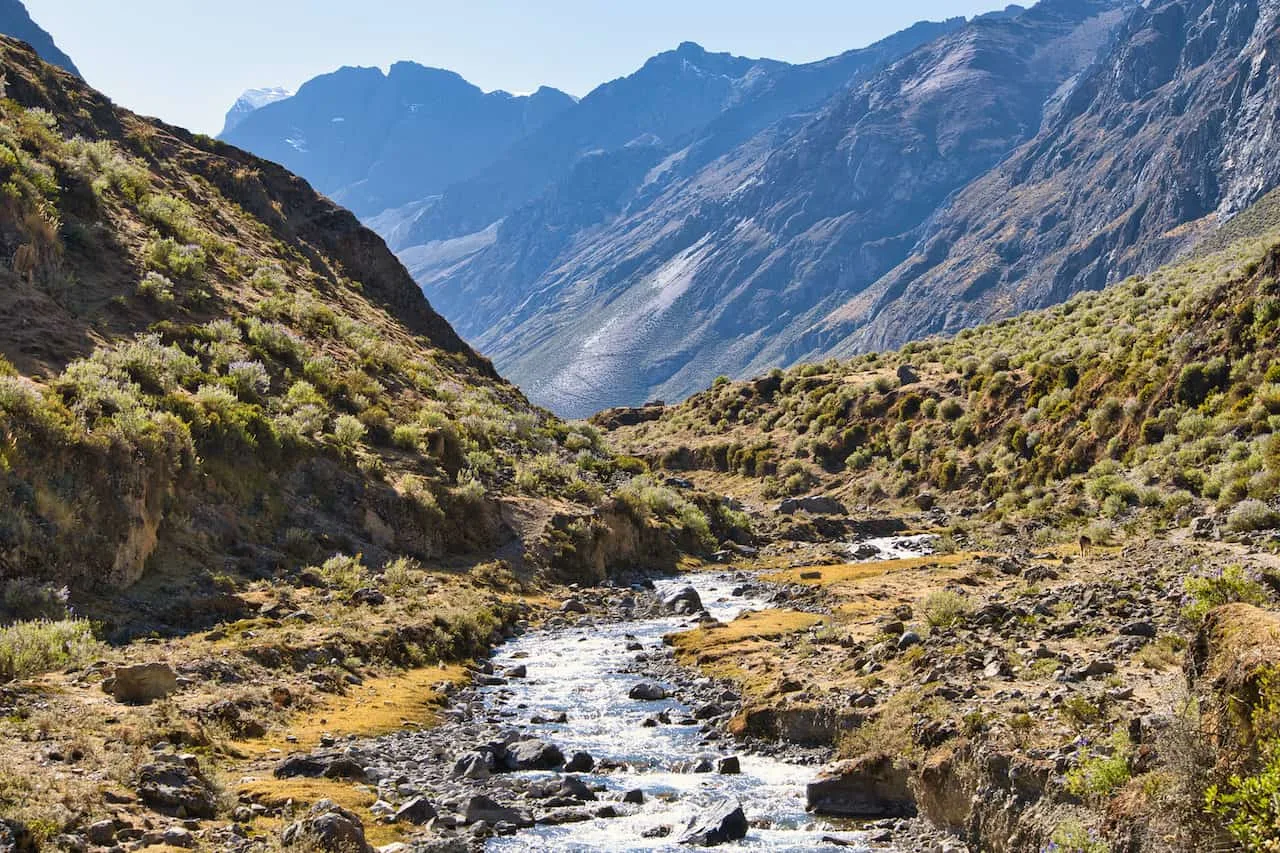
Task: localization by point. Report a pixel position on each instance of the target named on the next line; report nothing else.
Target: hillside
(1155, 398)
(1078, 653)
(248, 471)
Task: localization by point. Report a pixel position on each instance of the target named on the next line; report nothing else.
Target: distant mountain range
(711, 214)
(15, 21)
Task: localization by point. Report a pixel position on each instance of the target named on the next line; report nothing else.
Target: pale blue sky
(186, 61)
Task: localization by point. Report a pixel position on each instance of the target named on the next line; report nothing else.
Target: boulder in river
(682, 602)
(648, 691)
(873, 786)
(533, 754)
(718, 824)
(581, 762)
(482, 808)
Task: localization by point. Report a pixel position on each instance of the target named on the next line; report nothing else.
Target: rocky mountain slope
(1156, 146)
(722, 267)
(15, 21)
(248, 470)
(373, 141)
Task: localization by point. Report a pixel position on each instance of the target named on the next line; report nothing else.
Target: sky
(186, 61)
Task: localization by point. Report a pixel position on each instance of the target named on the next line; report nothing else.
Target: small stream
(583, 671)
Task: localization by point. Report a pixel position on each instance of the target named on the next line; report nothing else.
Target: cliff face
(1158, 144)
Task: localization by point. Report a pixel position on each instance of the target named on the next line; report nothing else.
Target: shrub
(156, 287)
(348, 431)
(1072, 837)
(1252, 515)
(249, 378)
(1099, 776)
(1209, 592)
(31, 648)
(182, 260)
(344, 573)
(944, 608)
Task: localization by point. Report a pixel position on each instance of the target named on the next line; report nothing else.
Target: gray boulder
(813, 504)
(327, 826)
(173, 785)
(647, 691)
(721, 823)
(682, 601)
(533, 754)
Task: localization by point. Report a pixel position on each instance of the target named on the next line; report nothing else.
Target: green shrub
(1209, 592)
(1252, 515)
(32, 648)
(181, 260)
(156, 287)
(1098, 776)
(944, 608)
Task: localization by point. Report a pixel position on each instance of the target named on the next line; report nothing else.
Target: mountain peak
(15, 21)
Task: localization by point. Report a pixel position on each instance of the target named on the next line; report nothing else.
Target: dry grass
(847, 572)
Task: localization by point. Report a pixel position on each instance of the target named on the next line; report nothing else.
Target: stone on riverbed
(647, 691)
(482, 808)
(533, 754)
(721, 823)
(581, 762)
(683, 601)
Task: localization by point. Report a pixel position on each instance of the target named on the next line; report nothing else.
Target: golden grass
(750, 626)
(377, 707)
(846, 572)
(303, 792)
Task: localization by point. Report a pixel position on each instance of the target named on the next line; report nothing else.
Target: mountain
(15, 21)
(373, 141)
(1158, 145)
(251, 101)
(726, 269)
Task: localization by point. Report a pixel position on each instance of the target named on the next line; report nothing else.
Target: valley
(879, 453)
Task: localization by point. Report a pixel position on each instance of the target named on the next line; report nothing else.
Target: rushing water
(582, 671)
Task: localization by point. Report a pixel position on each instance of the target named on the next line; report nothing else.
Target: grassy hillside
(1157, 398)
(224, 404)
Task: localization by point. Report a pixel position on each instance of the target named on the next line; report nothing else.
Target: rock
(482, 808)
(682, 601)
(177, 836)
(369, 597)
(1139, 629)
(416, 811)
(708, 711)
(15, 837)
(909, 639)
(142, 683)
(1204, 527)
(520, 671)
(718, 824)
(173, 785)
(101, 834)
(572, 605)
(299, 766)
(572, 786)
(907, 375)
(873, 786)
(813, 504)
(647, 691)
(533, 754)
(581, 762)
(328, 826)
(811, 576)
(926, 501)
(730, 765)
(634, 797)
